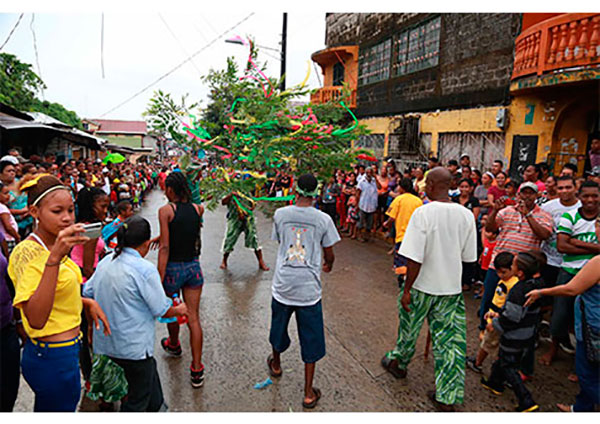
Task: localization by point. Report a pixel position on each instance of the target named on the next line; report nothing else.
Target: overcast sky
(140, 47)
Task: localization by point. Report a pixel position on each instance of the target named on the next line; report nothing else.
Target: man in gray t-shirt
(305, 235)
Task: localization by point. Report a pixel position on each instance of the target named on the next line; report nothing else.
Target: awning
(119, 149)
(73, 135)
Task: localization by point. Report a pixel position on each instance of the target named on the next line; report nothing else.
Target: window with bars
(405, 138)
(374, 63)
(338, 74)
(417, 48)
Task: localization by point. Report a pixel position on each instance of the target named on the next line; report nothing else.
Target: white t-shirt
(302, 233)
(440, 236)
(556, 209)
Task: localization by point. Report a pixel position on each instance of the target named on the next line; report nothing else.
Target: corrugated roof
(120, 127)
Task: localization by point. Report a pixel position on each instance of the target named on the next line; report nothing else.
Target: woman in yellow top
(47, 285)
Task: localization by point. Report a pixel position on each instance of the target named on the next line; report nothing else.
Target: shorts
(490, 342)
(310, 329)
(180, 275)
(365, 220)
(399, 260)
(382, 202)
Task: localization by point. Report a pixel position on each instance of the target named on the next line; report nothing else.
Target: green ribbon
(304, 193)
(340, 131)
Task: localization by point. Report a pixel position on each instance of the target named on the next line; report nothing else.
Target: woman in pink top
(92, 206)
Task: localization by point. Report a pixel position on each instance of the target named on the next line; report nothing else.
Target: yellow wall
(460, 120)
(559, 119)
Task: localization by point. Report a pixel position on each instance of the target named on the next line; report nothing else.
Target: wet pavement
(360, 315)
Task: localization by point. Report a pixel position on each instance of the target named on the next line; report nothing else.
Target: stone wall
(475, 65)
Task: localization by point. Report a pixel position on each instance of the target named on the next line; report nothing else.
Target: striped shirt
(516, 235)
(576, 226)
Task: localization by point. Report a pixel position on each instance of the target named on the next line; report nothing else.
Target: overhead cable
(12, 30)
(102, 46)
(179, 42)
(178, 66)
(37, 60)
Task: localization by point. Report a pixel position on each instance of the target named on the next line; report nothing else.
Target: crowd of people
(81, 300)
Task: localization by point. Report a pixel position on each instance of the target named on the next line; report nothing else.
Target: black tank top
(184, 233)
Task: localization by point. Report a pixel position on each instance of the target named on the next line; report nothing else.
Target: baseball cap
(464, 155)
(9, 158)
(530, 185)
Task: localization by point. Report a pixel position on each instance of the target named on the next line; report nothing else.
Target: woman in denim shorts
(179, 265)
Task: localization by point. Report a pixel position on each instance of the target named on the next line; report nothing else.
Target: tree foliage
(19, 87)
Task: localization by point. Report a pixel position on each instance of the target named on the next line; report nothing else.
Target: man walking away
(303, 233)
(439, 238)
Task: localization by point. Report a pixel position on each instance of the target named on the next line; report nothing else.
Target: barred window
(374, 63)
(418, 48)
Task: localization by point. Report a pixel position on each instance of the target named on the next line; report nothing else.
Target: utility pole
(283, 51)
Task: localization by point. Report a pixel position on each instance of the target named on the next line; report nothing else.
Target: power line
(12, 30)
(37, 60)
(179, 42)
(102, 46)
(179, 66)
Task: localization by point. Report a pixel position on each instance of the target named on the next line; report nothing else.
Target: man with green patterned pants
(439, 238)
(240, 219)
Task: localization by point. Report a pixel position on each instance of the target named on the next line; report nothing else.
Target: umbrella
(114, 158)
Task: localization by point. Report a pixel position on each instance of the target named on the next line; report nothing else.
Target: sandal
(313, 403)
(271, 371)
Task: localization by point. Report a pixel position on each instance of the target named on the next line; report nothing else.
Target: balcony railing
(565, 41)
(326, 94)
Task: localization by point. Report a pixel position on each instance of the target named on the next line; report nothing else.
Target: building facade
(429, 83)
(555, 89)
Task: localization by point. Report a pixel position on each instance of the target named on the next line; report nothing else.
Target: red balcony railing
(326, 94)
(565, 41)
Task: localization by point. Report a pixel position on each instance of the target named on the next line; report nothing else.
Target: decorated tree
(251, 129)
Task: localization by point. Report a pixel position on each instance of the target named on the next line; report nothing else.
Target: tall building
(425, 83)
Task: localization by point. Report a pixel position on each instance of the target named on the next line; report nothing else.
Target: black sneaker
(197, 377)
(495, 390)
(173, 351)
(473, 366)
(567, 347)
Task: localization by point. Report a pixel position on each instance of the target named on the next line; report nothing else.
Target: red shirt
(496, 192)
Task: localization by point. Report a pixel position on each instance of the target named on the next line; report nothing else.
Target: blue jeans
(489, 288)
(53, 375)
(589, 381)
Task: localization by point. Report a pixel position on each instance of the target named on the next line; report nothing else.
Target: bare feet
(573, 378)
(263, 266)
(223, 265)
(564, 408)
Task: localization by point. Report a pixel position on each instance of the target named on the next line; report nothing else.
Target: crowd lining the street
(84, 304)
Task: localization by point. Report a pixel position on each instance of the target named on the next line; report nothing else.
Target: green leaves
(265, 130)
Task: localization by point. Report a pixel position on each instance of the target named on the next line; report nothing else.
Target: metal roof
(74, 135)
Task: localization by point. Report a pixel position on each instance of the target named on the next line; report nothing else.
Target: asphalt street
(361, 318)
